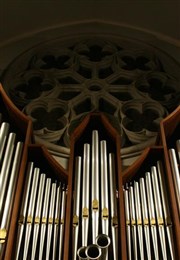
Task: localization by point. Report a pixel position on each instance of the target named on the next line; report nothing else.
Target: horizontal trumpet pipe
(81, 253)
(93, 252)
(103, 242)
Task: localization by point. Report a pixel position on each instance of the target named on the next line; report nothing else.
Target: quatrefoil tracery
(93, 75)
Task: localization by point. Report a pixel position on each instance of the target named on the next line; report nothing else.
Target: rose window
(57, 83)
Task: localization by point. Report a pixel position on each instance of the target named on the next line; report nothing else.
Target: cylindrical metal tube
(2, 251)
(61, 229)
(103, 242)
(113, 201)
(56, 221)
(104, 188)
(38, 215)
(6, 215)
(81, 253)
(133, 221)
(162, 187)
(166, 210)
(178, 149)
(157, 198)
(93, 252)
(76, 204)
(23, 209)
(127, 217)
(31, 209)
(152, 214)
(176, 175)
(145, 217)
(50, 219)
(159, 213)
(139, 219)
(85, 194)
(4, 130)
(95, 185)
(44, 216)
(6, 164)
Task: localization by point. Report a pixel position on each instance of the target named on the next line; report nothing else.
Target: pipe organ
(93, 210)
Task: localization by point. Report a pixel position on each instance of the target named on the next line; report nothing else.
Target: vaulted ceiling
(21, 17)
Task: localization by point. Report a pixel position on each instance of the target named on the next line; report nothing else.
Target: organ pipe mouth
(93, 252)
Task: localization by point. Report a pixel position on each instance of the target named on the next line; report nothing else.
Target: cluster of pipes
(10, 158)
(95, 213)
(174, 155)
(40, 232)
(148, 219)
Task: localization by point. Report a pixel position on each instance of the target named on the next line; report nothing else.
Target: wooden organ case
(98, 195)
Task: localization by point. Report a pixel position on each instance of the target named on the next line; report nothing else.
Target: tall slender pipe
(145, 217)
(166, 210)
(38, 215)
(6, 215)
(31, 209)
(44, 217)
(152, 214)
(176, 175)
(6, 165)
(113, 201)
(4, 130)
(11, 187)
(139, 219)
(104, 188)
(50, 219)
(85, 194)
(23, 210)
(62, 218)
(56, 221)
(133, 221)
(159, 212)
(127, 216)
(178, 149)
(95, 185)
(76, 204)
